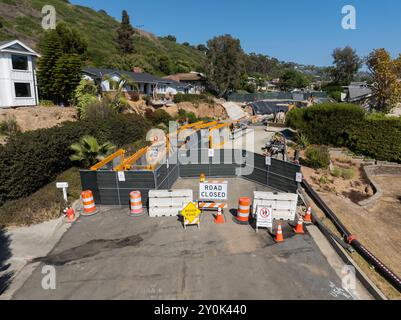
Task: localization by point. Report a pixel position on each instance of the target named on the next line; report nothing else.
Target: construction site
(207, 211)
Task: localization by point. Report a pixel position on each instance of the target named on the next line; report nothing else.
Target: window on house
(22, 90)
(19, 62)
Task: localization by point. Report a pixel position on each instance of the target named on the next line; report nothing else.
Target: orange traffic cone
(299, 229)
(279, 234)
(70, 215)
(308, 215)
(219, 217)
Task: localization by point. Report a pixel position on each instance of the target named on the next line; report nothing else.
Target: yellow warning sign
(191, 212)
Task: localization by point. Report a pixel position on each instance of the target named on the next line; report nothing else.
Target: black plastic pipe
(380, 267)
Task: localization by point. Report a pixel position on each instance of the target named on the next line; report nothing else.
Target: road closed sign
(213, 190)
(264, 217)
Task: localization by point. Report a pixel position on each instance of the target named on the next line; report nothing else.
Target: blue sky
(303, 31)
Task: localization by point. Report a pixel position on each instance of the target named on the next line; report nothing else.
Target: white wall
(7, 79)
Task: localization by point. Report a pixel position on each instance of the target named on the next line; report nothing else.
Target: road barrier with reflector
(168, 202)
(283, 205)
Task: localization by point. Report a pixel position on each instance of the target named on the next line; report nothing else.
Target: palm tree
(88, 151)
(118, 103)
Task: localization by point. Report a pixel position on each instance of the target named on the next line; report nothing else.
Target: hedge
(32, 159)
(347, 125)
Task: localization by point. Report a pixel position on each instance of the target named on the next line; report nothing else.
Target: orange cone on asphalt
(279, 234)
(308, 215)
(219, 217)
(70, 215)
(299, 229)
(88, 203)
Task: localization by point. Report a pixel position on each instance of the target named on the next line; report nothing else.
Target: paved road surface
(114, 256)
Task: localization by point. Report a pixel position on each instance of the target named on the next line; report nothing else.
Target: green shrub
(193, 98)
(348, 173)
(336, 172)
(294, 118)
(47, 103)
(347, 125)
(159, 116)
(377, 138)
(9, 126)
(32, 159)
(44, 204)
(190, 116)
(324, 179)
(317, 157)
(98, 110)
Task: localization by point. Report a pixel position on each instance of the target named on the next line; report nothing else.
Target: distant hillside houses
(196, 81)
(146, 83)
(356, 92)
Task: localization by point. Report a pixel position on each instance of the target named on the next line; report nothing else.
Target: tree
(171, 38)
(67, 75)
(225, 64)
(201, 47)
(347, 64)
(165, 64)
(293, 79)
(385, 73)
(60, 67)
(88, 151)
(51, 53)
(117, 101)
(181, 66)
(71, 41)
(125, 34)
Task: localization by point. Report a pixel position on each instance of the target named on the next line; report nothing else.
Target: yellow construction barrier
(108, 159)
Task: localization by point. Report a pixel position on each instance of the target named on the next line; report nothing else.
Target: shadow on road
(5, 254)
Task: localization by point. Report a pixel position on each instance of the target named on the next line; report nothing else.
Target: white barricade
(168, 202)
(283, 205)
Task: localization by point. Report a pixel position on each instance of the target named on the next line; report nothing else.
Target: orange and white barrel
(136, 202)
(88, 202)
(244, 209)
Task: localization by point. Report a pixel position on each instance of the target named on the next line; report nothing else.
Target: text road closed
(213, 191)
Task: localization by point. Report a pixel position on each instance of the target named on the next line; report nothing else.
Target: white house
(18, 86)
(145, 82)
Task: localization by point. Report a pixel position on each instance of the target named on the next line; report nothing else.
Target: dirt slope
(32, 118)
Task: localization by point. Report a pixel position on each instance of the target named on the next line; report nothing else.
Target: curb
(361, 276)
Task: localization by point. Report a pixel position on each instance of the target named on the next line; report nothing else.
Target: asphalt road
(114, 256)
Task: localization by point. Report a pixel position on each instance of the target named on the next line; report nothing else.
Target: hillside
(21, 19)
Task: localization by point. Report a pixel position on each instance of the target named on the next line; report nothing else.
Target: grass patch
(345, 173)
(45, 204)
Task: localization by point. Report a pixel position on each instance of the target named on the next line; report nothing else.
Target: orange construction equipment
(308, 215)
(136, 203)
(244, 209)
(119, 153)
(219, 217)
(128, 163)
(279, 234)
(299, 229)
(70, 215)
(89, 203)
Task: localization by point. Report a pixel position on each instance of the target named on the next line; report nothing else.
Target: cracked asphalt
(114, 256)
